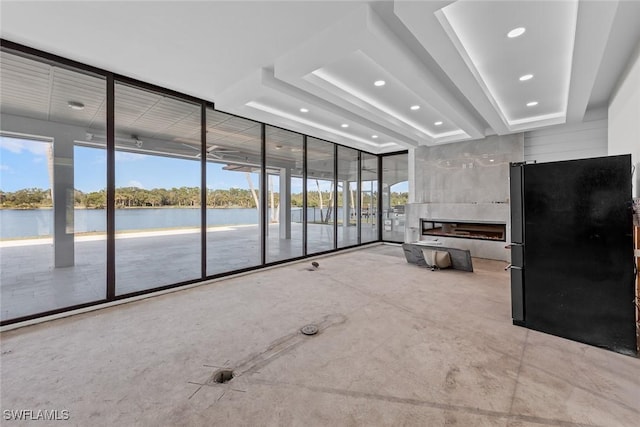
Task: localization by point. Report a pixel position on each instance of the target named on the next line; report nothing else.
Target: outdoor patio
(30, 284)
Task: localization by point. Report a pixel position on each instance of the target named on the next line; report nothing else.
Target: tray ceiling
(450, 71)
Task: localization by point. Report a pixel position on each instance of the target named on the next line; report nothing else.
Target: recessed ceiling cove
(351, 78)
(263, 97)
(360, 65)
(520, 53)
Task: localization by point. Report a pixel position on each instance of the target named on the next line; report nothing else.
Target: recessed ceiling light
(278, 147)
(379, 83)
(374, 136)
(438, 123)
(304, 110)
(415, 107)
(344, 125)
(526, 77)
(75, 105)
(532, 103)
(491, 160)
(516, 32)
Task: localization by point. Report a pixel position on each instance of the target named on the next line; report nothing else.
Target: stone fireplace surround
(489, 212)
(463, 181)
(481, 230)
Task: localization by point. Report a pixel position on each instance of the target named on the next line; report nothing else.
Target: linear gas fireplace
(480, 230)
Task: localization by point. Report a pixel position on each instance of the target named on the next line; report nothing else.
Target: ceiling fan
(214, 151)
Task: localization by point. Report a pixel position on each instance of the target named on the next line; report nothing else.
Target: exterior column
(285, 203)
(346, 208)
(61, 163)
(63, 201)
(387, 221)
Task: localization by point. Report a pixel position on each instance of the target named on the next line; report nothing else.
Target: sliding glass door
(157, 194)
(233, 157)
(369, 198)
(348, 200)
(321, 206)
(53, 174)
(284, 165)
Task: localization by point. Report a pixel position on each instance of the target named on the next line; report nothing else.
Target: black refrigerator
(572, 261)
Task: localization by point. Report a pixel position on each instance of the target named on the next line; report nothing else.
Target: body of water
(18, 223)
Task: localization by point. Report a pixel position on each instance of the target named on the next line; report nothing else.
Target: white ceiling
(265, 60)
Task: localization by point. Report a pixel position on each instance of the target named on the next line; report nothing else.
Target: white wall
(624, 116)
(567, 142)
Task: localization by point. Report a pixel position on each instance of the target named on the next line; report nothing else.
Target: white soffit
(262, 97)
(479, 30)
(354, 76)
(341, 64)
(595, 24)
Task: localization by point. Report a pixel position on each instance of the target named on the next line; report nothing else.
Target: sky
(24, 164)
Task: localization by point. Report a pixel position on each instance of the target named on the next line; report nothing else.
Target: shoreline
(42, 208)
(128, 234)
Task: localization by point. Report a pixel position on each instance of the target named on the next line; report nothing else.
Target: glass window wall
(369, 198)
(395, 195)
(157, 195)
(53, 189)
(284, 163)
(52, 178)
(348, 200)
(320, 196)
(234, 158)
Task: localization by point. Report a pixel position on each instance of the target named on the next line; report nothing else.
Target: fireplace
(479, 230)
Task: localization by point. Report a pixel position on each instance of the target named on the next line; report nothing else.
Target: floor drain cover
(223, 376)
(309, 330)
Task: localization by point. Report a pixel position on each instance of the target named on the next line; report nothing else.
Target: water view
(39, 222)
(29, 223)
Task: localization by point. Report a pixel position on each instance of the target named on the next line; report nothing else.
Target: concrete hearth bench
(460, 258)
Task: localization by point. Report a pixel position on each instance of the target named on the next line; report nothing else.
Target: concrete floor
(398, 345)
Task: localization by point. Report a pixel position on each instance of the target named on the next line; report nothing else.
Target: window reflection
(320, 196)
(348, 200)
(369, 198)
(284, 165)
(234, 150)
(157, 197)
(52, 238)
(395, 195)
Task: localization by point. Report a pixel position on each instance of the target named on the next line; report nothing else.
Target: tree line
(134, 197)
